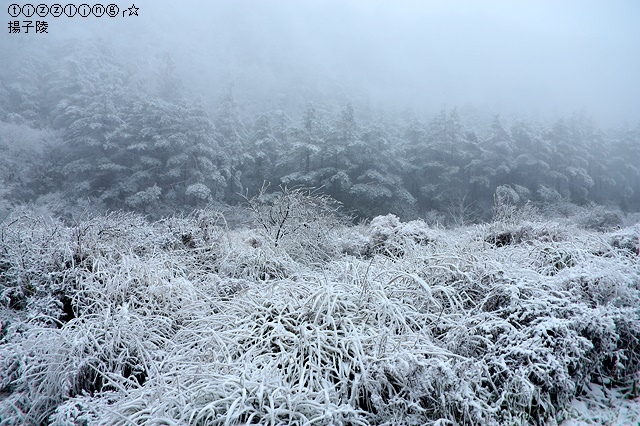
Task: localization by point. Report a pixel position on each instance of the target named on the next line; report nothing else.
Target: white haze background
(541, 58)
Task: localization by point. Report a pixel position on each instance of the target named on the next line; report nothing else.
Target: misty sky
(530, 57)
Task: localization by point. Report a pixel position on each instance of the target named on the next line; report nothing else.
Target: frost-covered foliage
(87, 123)
(601, 219)
(388, 235)
(627, 239)
(117, 320)
(300, 221)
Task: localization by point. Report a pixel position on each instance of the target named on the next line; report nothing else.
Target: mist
(542, 58)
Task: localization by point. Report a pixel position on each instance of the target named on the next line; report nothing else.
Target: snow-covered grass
(600, 405)
(115, 320)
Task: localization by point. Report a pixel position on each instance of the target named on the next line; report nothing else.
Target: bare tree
(291, 211)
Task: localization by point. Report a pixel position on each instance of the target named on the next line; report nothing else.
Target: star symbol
(133, 10)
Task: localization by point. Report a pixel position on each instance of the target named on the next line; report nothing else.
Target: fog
(545, 58)
(528, 57)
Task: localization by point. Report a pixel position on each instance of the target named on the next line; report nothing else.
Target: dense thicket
(123, 141)
(117, 320)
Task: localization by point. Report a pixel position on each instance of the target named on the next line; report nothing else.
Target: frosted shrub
(299, 220)
(203, 229)
(36, 258)
(119, 321)
(600, 218)
(507, 210)
(520, 224)
(387, 234)
(258, 264)
(353, 241)
(627, 240)
(383, 229)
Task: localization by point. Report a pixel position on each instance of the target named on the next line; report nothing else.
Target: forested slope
(98, 130)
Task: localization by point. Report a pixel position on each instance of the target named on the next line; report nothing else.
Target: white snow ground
(602, 406)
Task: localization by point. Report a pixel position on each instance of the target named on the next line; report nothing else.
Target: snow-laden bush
(627, 240)
(35, 255)
(600, 218)
(524, 232)
(182, 322)
(300, 221)
(42, 261)
(387, 235)
(516, 225)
